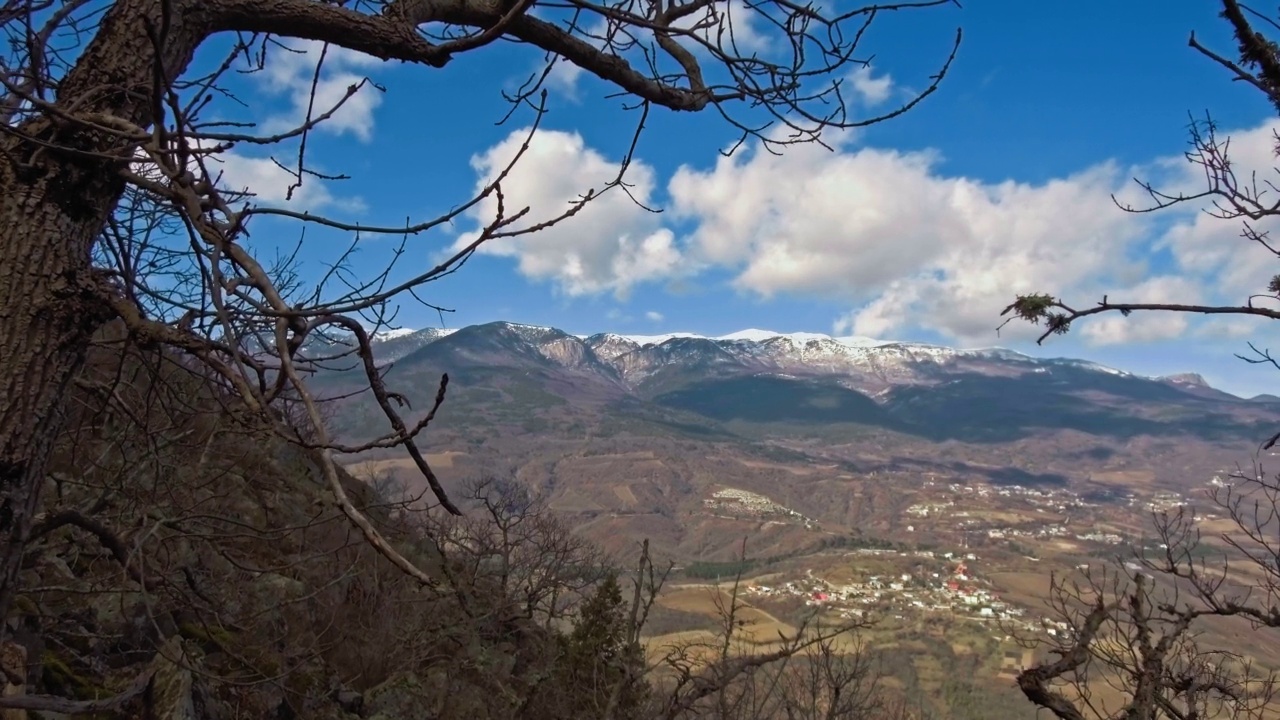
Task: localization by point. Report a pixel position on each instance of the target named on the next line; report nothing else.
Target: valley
(929, 492)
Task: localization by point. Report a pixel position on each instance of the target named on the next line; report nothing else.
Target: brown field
(624, 494)
(1126, 478)
(1211, 530)
(1025, 588)
(697, 598)
(1011, 517)
(440, 460)
(759, 634)
(792, 469)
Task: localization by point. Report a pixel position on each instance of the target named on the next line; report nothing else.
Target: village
(980, 514)
(741, 503)
(938, 583)
(903, 583)
(979, 510)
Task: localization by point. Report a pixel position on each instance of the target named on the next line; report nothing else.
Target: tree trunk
(59, 183)
(46, 322)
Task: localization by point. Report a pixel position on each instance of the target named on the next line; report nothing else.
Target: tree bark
(59, 183)
(45, 328)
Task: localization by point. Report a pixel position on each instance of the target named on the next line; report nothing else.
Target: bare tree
(1230, 196)
(1133, 639)
(513, 539)
(828, 682)
(112, 206)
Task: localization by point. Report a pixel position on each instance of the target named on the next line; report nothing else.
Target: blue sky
(920, 228)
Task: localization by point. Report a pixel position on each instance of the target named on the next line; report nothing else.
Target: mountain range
(756, 376)
(636, 358)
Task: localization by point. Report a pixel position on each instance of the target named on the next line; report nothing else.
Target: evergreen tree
(600, 673)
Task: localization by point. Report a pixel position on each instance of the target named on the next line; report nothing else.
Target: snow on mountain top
(1090, 365)
(1187, 378)
(393, 334)
(756, 336)
(800, 338)
(524, 326)
(850, 346)
(659, 339)
(384, 335)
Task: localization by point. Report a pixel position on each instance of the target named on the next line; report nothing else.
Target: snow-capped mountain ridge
(383, 335)
(870, 363)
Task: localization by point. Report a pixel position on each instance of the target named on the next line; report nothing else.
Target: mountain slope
(536, 377)
(631, 438)
(768, 398)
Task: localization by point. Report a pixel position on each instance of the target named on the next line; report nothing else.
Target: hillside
(189, 563)
(188, 548)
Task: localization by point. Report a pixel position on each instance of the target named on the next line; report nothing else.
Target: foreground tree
(1130, 641)
(1130, 638)
(109, 208)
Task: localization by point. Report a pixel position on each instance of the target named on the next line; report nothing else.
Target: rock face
(13, 663)
(171, 687)
(402, 696)
(1186, 379)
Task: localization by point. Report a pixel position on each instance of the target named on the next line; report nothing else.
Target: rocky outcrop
(171, 685)
(13, 664)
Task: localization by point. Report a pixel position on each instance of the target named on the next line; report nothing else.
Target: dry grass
(1024, 588)
(1211, 530)
(625, 495)
(1126, 478)
(792, 469)
(759, 633)
(1008, 517)
(440, 460)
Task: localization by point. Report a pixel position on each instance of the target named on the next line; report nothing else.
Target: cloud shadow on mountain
(969, 408)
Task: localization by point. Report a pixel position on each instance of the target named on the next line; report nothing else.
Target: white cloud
(872, 90)
(654, 316)
(270, 184)
(611, 245)
(564, 77)
(268, 181)
(907, 246)
(291, 71)
(902, 244)
(731, 25)
(1235, 328)
(1147, 326)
